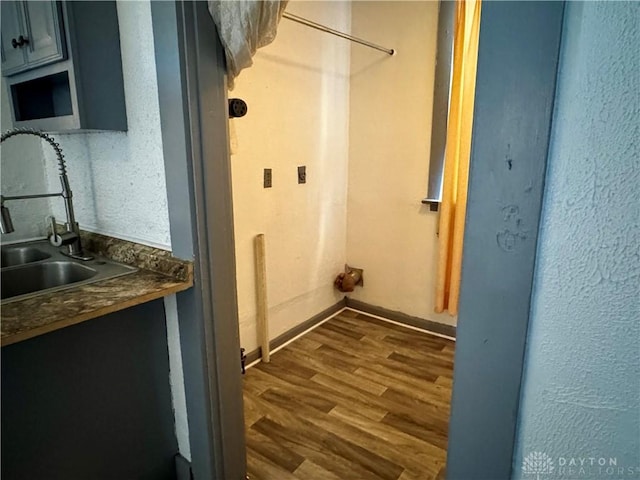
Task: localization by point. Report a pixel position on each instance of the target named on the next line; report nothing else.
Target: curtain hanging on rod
(323, 28)
(243, 27)
(246, 25)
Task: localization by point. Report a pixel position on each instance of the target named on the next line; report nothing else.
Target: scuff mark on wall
(510, 239)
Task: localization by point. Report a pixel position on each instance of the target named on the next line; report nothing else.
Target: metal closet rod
(322, 28)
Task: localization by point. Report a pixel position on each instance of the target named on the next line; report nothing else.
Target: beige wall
(390, 234)
(298, 97)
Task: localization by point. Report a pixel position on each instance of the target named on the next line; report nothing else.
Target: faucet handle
(59, 239)
(54, 238)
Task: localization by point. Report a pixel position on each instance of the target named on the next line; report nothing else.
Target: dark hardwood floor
(355, 399)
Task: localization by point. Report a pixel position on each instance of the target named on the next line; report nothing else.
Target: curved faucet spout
(74, 248)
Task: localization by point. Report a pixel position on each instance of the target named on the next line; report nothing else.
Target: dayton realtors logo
(540, 464)
(537, 463)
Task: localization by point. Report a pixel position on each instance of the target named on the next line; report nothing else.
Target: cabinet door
(12, 26)
(45, 33)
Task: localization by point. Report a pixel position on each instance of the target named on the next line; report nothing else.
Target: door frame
(515, 91)
(517, 68)
(192, 93)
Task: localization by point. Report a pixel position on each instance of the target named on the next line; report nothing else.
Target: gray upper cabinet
(13, 59)
(46, 41)
(63, 66)
(32, 35)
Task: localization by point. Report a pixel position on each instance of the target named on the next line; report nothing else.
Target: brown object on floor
(347, 281)
(355, 399)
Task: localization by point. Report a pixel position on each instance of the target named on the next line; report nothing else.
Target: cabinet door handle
(22, 40)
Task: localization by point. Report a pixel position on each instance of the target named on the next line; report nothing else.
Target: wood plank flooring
(355, 399)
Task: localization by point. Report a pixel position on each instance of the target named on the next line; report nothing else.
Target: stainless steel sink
(36, 268)
(12, 256)
(42, 276)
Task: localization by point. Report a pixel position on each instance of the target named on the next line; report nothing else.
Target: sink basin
(42, 276)
(12, 256)
(36, 268)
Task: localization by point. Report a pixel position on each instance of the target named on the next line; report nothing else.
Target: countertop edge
(158, 274)
(99, 312)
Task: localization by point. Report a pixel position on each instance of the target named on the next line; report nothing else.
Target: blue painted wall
(581, 387)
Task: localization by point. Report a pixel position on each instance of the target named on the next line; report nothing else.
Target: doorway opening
(343, 396)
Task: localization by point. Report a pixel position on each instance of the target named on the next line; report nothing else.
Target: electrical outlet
(302, 174)
(267, 178)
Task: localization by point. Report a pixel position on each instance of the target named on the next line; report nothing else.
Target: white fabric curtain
(243, 27)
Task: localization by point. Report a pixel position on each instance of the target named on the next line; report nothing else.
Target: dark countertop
(159, 275)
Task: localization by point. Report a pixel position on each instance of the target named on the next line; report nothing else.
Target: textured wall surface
(298, 97)
(23, 172)
(581, 390)
(118, 178)
(390, 234)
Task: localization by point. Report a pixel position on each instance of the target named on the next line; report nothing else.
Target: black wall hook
(237, 108)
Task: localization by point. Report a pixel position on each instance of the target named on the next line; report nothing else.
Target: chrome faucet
(71, 236)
